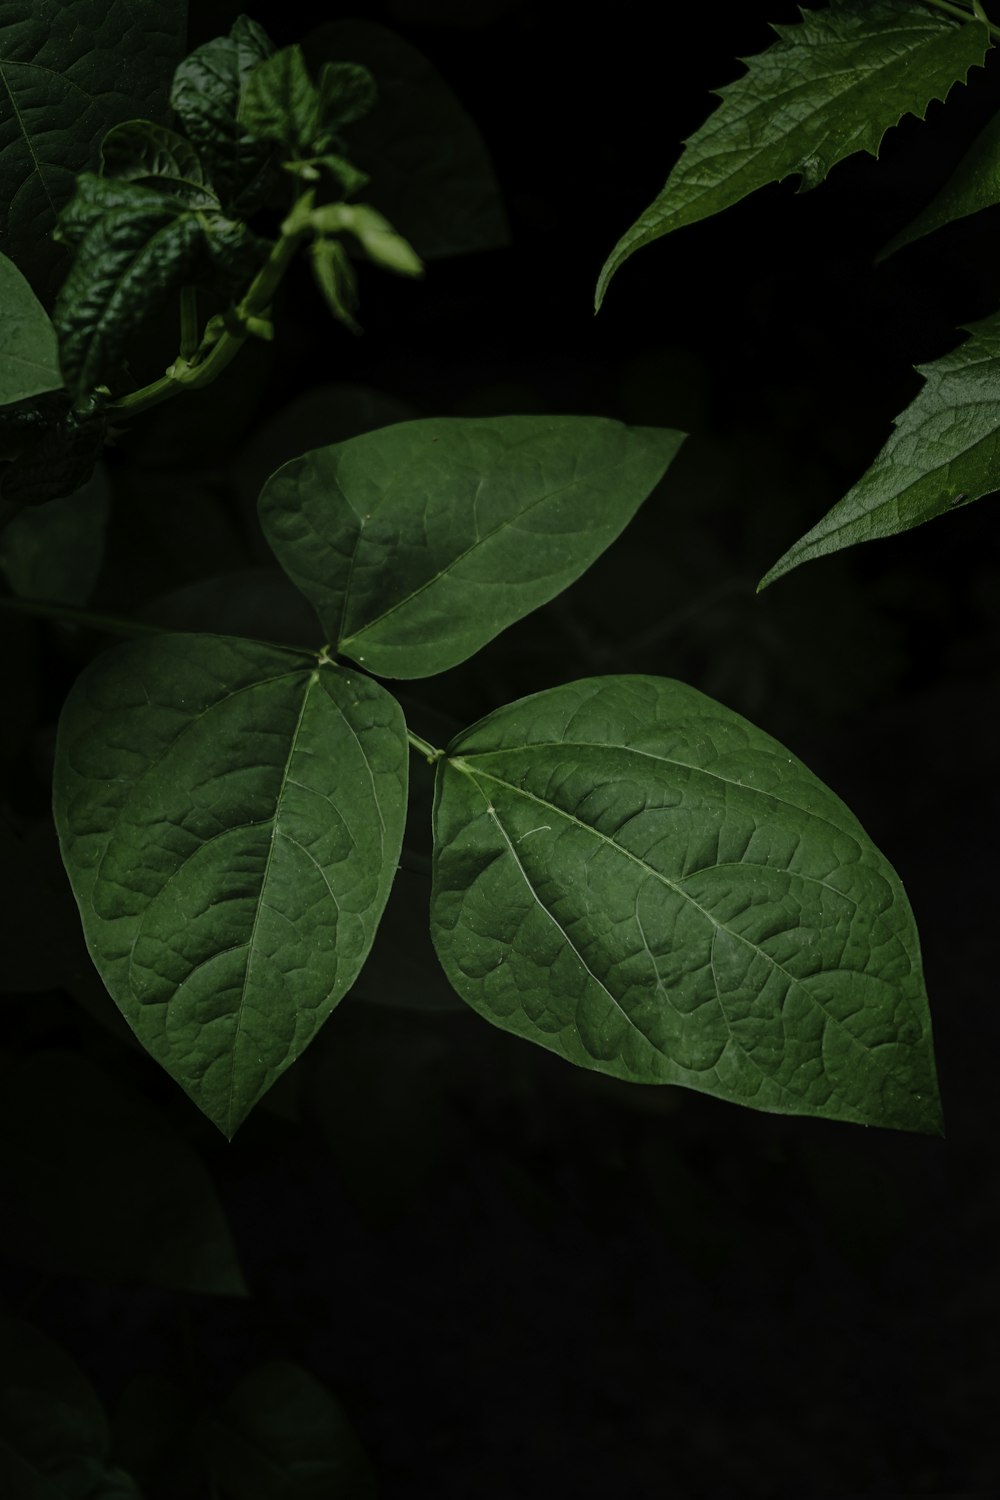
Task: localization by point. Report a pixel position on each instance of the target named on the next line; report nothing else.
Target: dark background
(518, 1278)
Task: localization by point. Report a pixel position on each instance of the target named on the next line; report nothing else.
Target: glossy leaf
(134, 245)
(104, 1186)
(69, 70)
(943, 453)
(636, 878)
(53, 445)
(974, 185)
(283, 1436)
(206, 95)
(156, 157)
(829, 86)
(430, 171)
(418, 544)
(280, 102)
(29, 352)
(230, 816)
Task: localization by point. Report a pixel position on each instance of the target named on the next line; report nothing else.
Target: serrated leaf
(973, 186)
(280, 103)
(104, 1186)
(69, 70)
(206, 95)
(134, 245)
(636, 878)
(230, 816)
(828, 87)
(29, 351)
(419, 543)
(430, 171)
(156, 157)
(283, 1436)
(943, 453)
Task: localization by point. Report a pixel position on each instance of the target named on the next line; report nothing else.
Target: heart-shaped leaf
(231, 816)
(636, 878)
(419, 543)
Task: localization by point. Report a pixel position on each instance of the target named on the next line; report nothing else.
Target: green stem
(422, 747)
(43, 609)
(211, 357)
(975, 14)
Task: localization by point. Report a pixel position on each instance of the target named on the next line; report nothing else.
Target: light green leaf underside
(417, 544)
(231, 816)
(974, 185)
(29, 353)
(943, 453)
(828, 87)
(639, 880)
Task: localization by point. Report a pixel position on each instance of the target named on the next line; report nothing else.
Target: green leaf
(829, 86)
(636, 878)
(69, 70)
(347, 92)
(283, 1436)
(53, 446)
(140, 151)
(104, 1186)
(943, 453)
(54, 1436)
(134, 245)
(418, 544)
(334, 275)
(974, 185)
(430, 171)
(54, 551)
(29, 352)
(280, 103)
(230, 816)
(206, 95)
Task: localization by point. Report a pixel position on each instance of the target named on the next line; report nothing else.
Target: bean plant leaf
(418, 544)
(134, 246)
(430, 170)
(54, 1435)
(156, 157)
(53, 445)
(280, 103)
(105, 1186)
(230, 816)
(29, 350)
(54, 551)
(974, 185)
(206, 95)
(636, 878)
(944, 453)
(283, 1436)
(69, 70)
(831, 85)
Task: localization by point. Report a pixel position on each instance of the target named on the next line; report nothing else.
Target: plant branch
(216, 350)
(423, 748)
(976, 13)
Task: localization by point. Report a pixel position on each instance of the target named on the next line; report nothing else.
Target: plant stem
(43, 609)
(975, 14)
(210, 358)
(422, 747)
